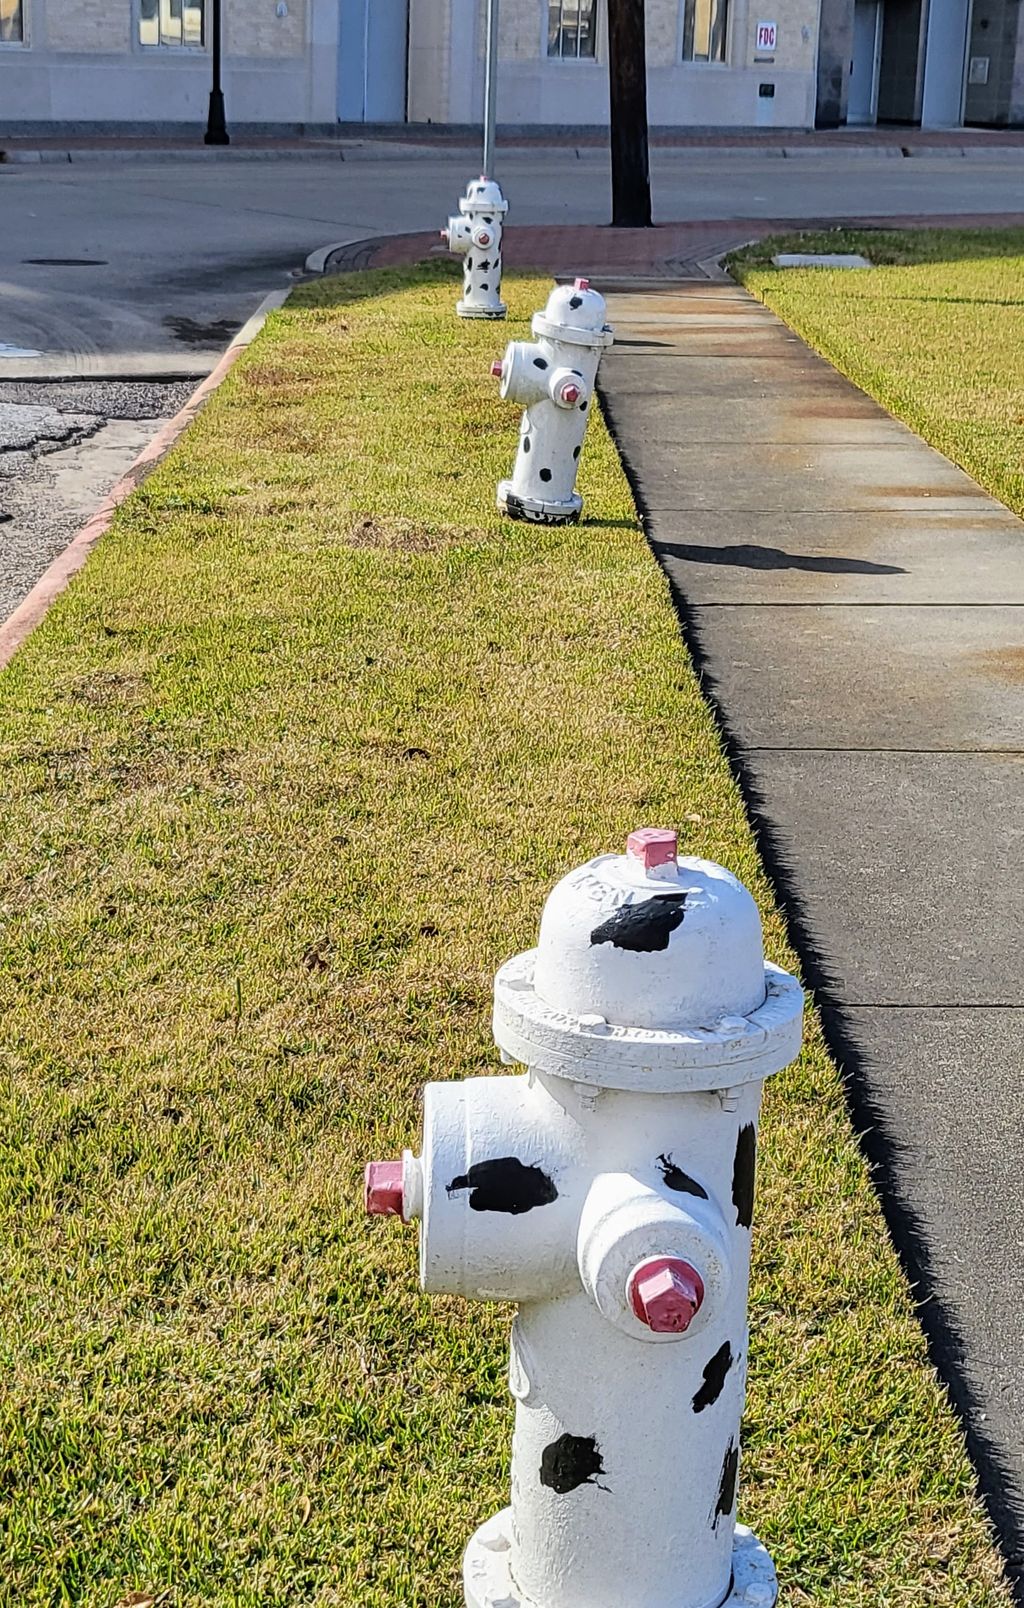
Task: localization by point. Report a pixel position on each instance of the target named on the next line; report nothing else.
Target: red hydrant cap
(570, 393)
(497, 368)
(581, 284)
(653, 845)
(484, 238)
(383, 1188)
(666, 1294)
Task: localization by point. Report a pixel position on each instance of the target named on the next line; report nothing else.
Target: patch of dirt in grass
(392, 535)
(107, 689)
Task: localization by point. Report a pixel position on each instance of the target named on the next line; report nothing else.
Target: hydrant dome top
(483, 194)
(576, 307)
(649, 940)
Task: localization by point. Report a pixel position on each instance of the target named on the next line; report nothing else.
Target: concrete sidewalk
(855, 604)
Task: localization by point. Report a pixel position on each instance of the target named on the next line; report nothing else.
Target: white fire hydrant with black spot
(609, 1192)
(475, 235)
(554, 378)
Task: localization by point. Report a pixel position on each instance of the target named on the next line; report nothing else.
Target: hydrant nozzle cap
(666, 1294)
(581, 284)
(383, 1192)
(497, 368)
(653, 846)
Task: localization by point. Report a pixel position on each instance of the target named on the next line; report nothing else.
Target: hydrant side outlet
(476, 235)
(553, 378)
(609, 1190)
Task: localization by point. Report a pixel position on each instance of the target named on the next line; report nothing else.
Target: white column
(945, 54)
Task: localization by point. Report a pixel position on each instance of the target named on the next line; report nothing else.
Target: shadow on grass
(1003, 1501)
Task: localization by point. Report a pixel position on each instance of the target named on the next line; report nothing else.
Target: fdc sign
(767, 35)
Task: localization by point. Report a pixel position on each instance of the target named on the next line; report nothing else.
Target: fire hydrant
(553, 377)
(609, 1191)
(475, 235)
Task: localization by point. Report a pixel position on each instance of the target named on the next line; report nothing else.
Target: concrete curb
(469, 153)
(31, 610)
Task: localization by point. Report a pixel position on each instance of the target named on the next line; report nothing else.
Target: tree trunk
(627, 59)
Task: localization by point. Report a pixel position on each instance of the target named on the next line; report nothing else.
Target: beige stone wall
(524, 22)
(253, 28)
(89, 25)
(798, 27)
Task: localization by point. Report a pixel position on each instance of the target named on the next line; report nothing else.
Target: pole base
(536, 512)
(487, 1575)
(468, 310)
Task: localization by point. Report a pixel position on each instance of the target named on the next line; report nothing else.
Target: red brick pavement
(670, 250)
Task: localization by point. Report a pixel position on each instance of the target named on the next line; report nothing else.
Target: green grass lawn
(288, 773)
(935, 331)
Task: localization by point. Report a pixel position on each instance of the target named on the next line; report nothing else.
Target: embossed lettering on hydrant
(570, 1461)
(505, 1185)
(643, 927)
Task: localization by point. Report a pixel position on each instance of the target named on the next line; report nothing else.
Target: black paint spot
(469, 262)
(486, 265)
(583, 407)
(727, 1486)
(743, 1176)
(575, 301)
(575, 452)
(570, 1461)
(714, 1378)
(526, 443)
(488, 220)
(545, 474)
(485, 285)
(676, 1179)
(643, 927)
(505, 1185)
(540, 362)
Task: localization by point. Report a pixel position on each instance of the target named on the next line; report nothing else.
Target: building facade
(782, 64)
(938, 63)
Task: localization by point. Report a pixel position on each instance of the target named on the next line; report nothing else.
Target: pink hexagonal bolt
(653, 846)
(569, 394)
(497, 368)
(666, 1293)
(383, 1188)
(581, 284)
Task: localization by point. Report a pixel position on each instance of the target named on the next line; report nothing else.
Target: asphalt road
(138, 273)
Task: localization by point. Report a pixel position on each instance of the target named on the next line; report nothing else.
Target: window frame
(699, 62)
(23, 42)
(548, 55)
(171, 47)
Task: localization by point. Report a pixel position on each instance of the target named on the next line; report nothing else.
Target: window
(171, 22)
(12, 22)
(704, 25)
(571, 28)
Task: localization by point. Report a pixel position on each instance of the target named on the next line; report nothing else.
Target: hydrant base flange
(466, 310)
(487, 1576)
(536, 512)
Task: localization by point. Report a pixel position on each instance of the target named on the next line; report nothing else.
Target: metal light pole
(490, 87)
(216, 127)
